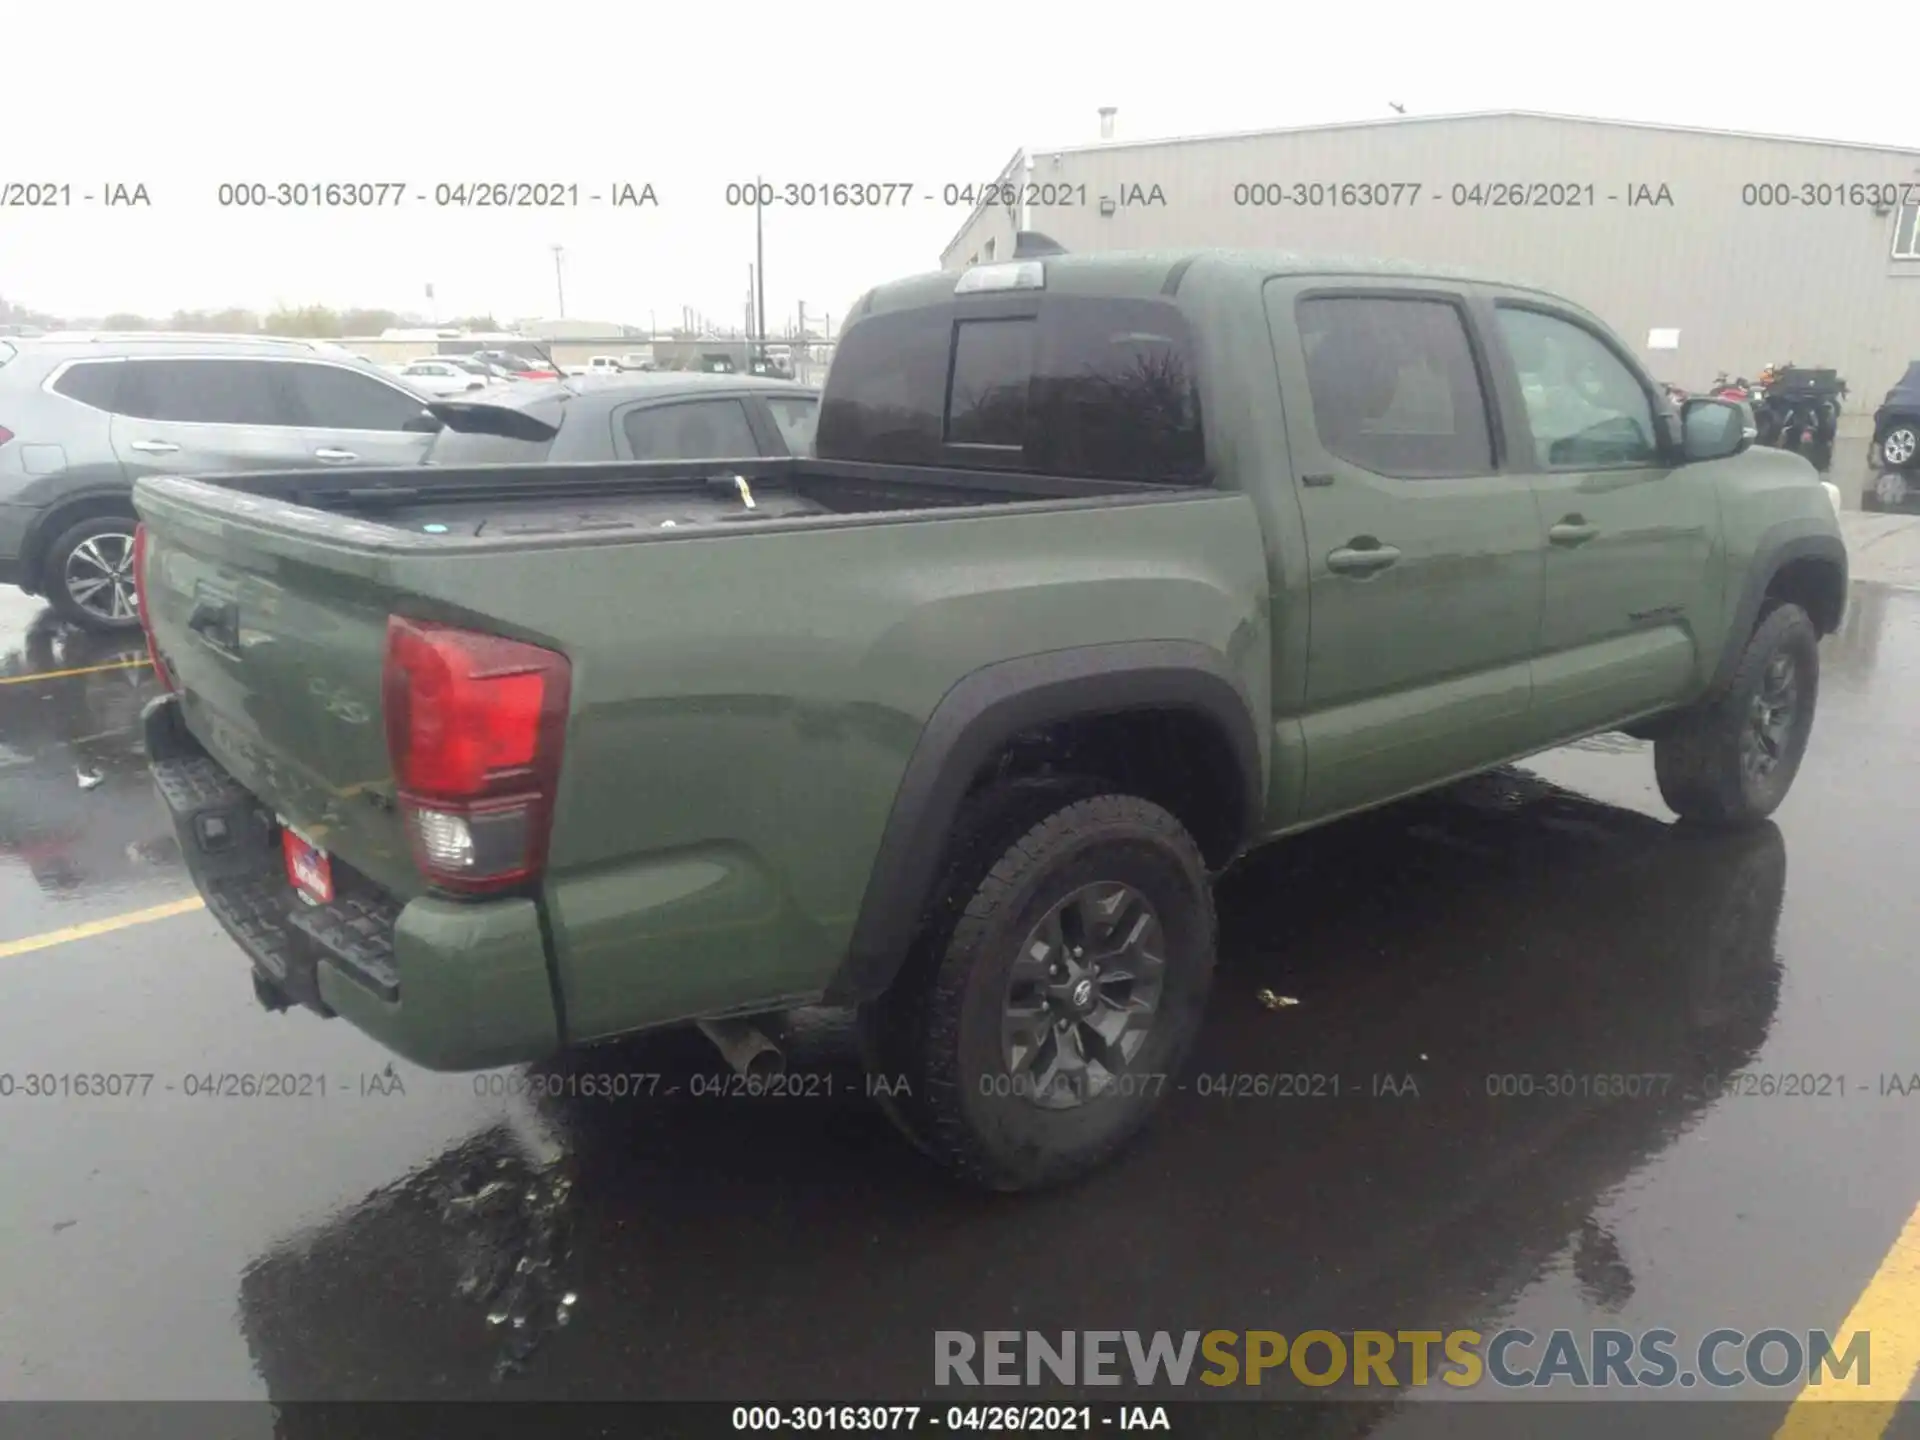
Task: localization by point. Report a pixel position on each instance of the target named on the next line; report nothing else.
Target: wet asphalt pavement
(412, 1235)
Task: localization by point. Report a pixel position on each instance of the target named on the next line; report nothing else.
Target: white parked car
(441, 376)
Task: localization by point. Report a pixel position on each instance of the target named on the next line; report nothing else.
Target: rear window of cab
(1066, 385)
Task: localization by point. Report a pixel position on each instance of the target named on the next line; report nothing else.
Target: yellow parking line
(80, 670)
(10, 948)
(1888, 1310)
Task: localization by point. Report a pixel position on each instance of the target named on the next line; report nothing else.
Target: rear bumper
(446, 984)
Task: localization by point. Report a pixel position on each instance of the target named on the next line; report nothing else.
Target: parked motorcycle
(1802, 408)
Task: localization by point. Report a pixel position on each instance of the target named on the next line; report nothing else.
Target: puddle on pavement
(510, 1217)
(466, 1258)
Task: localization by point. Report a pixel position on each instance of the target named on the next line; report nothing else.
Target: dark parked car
(1896, 424)
(82, 416)
(661, 416)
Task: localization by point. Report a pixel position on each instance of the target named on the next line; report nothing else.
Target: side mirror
(1713, 429)
(425, 423)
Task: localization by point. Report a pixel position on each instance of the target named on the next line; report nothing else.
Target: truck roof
(1154, 272)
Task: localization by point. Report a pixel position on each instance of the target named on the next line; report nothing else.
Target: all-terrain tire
(936, 1036)
(1706, 765)
(98, 552)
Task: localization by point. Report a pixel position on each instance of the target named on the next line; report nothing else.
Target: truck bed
(738, 721)
(509, 503)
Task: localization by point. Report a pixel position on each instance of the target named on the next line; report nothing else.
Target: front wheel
(1055, 996)
(1732, 759)
(89, 576)
(1891, 488)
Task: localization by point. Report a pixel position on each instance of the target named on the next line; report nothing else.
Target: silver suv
(84, 415)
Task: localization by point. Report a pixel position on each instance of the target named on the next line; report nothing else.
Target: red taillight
(140, 603)
(5, 434)
(474, 729)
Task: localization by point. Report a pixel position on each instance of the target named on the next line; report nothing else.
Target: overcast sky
(186, 95)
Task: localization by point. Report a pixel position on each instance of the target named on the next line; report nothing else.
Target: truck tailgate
(277, 653)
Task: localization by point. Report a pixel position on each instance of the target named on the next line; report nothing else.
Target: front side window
(331, 397)
(691, 430)
(1394, 386)
(1585, 407)
(205, 392)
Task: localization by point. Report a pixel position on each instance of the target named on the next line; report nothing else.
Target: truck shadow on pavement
(703, 1248)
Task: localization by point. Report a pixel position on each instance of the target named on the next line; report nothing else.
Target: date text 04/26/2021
(965, 1419)
(196, 1085)
(1267, 193)
(469, 194)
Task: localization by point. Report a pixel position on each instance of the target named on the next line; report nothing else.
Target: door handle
(335, 456)
(1572, 531)
(1358, 559)
(154, 447)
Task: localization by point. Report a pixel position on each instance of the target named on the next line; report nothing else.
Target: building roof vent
(1107, 112)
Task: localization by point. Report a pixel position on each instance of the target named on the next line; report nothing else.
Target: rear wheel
(1055, 992)
(88, 574)
(1891, 488)
(1900, 445)
(1732, 759)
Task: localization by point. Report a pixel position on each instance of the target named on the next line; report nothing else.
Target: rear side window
(690, 430)
(796, 416)
(96, 383)
(1395, 389)
(204, 392)
(1100, 388)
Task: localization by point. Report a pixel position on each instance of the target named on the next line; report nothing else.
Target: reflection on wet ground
(79, 832)
(518, 1236)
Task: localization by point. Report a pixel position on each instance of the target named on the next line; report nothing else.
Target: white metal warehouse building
(1706, 250)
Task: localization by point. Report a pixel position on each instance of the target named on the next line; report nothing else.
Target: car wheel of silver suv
(88, 574)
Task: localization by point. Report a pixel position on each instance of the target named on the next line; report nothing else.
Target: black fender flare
(1770, 558)
(975, 719)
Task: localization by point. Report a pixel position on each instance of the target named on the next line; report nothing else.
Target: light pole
(559, 281)
(760, 259)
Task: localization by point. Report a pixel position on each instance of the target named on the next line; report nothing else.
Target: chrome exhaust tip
(745, 1047)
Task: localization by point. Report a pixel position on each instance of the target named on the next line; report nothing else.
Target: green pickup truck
(1105, 569)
